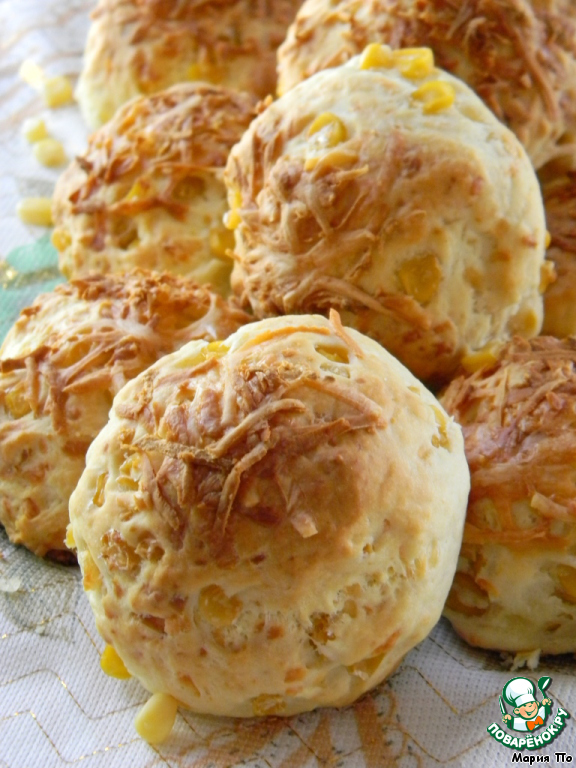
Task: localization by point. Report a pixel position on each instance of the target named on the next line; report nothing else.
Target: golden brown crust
(148, 190)
(518, 55)
(405, 224)
(559, 194)
(268, 525)
(514, 585)
(61, 364)
(139, 47)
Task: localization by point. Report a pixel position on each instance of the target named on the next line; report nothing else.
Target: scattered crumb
(12, 584)
(56, 91)
(528, 659)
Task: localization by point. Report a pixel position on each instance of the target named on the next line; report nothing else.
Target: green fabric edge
(28, 271)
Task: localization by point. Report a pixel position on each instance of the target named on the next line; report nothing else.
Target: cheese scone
(148, 191)
(559, 193)
(269, 524)
(515, 588)
(140, 47)
(385, 188)
(61, 364)
(520, 58)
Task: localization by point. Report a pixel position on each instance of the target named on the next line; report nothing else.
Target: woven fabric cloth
(56, 706)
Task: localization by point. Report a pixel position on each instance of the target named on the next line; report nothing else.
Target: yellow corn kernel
(57, 91)
(137, 191)
(213, 73)
(547, 275)
(92, 578)
(232, 219)
(526, 322)
(485, 356)
(98, 497)
(268, 704)
(35, 210)
(547, 239)
(567, 579)
(34, 129)
(190, 362)
(216, 607)
(328, 129)
(334, 158)
(236, 200)
(420, 277)
(195, 72)
(441, 439)
(334, 353)
(310, 163)
(132, 462)
(69, 540)
(112, 664)
(214, 349)
(366, 668)
(17, 403)
(376, 55)
(61, 239)
(49, 152)
(118, 553)
(32, 74)
(435, 96)
(106, 113)
(156, 719)
(414, 63)
(127, 483)
(220, 241)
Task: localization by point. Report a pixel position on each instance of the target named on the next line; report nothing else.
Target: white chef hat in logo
(518, 691)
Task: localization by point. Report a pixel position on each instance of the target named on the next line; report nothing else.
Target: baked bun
(515, 589)
(148, 191)
(60, 366)
(140, 47)
(397, 198)
(560, 298)
(519, 57)
(268, 525)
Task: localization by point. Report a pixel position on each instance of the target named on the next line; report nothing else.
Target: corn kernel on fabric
(515, 587)
(275, 520)
(137, 48)
(423, 226)
(61, 364)
(155, 720)
(148, 191)
(34, 129)
(57, 91)
(520, 58)
(35, 210)
(50, 152)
